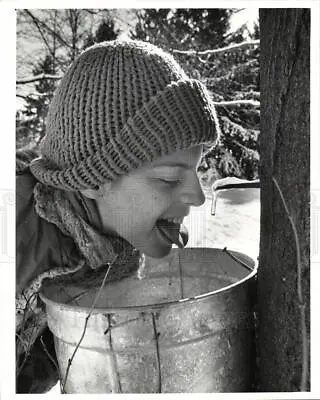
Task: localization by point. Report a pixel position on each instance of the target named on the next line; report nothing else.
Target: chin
(157, 252)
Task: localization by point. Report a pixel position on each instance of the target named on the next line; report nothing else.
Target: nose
(192, 193)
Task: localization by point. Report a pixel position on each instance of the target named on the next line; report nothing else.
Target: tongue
(175, 233)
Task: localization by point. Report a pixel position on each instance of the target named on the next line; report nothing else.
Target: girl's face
(166, 188)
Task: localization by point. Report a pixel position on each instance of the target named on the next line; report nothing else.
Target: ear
(96, 193)
(92, 193)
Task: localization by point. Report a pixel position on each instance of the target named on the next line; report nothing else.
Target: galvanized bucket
(185, 326)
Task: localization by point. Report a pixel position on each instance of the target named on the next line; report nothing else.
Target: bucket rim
(157, 306)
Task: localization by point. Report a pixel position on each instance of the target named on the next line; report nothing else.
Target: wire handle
(237, 260)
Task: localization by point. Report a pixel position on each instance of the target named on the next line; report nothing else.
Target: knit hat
(121, 104)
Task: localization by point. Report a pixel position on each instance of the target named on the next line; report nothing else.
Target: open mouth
(173, 231)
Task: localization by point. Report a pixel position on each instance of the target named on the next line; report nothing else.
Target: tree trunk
(283, 276)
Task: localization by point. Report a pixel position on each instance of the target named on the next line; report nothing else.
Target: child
(115, 178)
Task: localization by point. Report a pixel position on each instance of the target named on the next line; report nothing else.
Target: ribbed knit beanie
(121, 104)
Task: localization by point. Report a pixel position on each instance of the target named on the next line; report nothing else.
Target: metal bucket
(186, 326)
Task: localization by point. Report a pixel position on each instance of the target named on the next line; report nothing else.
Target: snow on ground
(55, 390)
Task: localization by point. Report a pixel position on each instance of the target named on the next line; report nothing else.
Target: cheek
(143, 209)
(132, 210)
(154, 203)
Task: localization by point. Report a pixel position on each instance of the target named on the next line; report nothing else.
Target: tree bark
(284, 262)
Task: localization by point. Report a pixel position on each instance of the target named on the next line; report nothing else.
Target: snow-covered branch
(34, 95)
(187, 52)
(231, 47)
(37, 78)
(21, 96)
(234, 103)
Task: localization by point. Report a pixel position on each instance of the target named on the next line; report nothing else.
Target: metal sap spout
(230, 183)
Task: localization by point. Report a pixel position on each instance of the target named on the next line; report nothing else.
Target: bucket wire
(63, 384)
(156, 336)
(78, 296)
(114, 368)
(181, 277)
(237, 260)
(71, 299)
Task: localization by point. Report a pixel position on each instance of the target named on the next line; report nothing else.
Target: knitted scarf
(76, 217)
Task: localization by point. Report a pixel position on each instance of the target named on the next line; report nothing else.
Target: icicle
(214, 202)
(142, 264)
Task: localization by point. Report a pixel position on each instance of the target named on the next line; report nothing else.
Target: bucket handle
(237, 260)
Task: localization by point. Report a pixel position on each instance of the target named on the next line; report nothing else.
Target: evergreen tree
(105, 31)
(183, 28)
(233, 76)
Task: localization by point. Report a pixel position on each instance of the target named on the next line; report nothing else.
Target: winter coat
(57, 232)
(40, 245)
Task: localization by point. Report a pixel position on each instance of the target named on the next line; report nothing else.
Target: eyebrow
(173, 164)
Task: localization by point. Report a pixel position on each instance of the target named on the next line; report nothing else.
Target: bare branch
(21, 96)
(237, 10)
(50, 30)
(36, 78)
(231, 47)
(36, 22)
(91, 11)
(51, 358)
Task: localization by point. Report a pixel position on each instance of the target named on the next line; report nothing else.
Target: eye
(171, 182)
